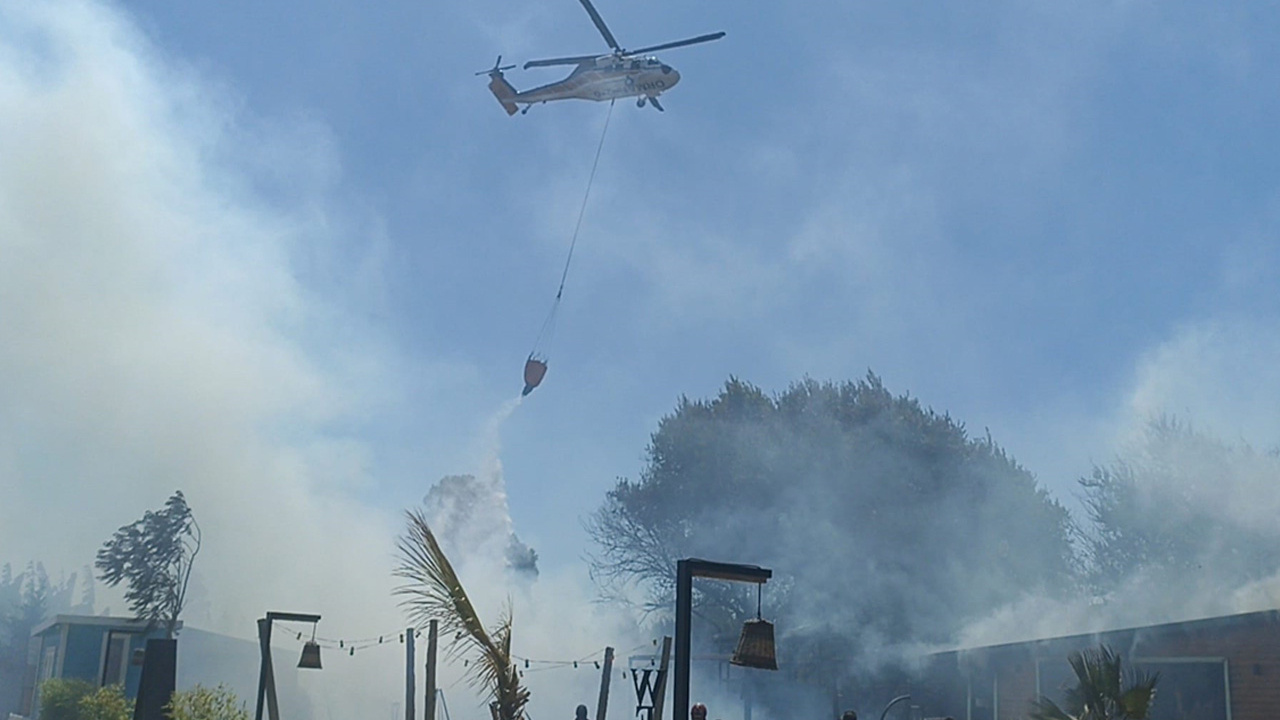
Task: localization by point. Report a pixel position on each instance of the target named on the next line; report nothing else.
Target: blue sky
(300, 247)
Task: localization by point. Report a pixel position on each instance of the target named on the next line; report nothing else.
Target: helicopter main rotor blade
(560, 61)
(599, 21)
(678, 43)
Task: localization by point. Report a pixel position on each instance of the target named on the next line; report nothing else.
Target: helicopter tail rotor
(496, 70)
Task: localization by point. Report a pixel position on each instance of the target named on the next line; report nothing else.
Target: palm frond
(433, 591)
(1104, 690)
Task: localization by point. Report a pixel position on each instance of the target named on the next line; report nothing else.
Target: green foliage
(884, 522)
(1104, 690)
(24, 603)
(107, 703)
(154, 556)
(75, 699)
(435, 592)
(60, 698)
(1164, 509)
(202, 703)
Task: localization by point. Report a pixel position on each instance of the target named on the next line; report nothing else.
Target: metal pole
(408, 674)
(430, 680)
(603, 705)
(684, 615)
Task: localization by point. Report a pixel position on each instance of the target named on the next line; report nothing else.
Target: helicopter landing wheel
(640, 102)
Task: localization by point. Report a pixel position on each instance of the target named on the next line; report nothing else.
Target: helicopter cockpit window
(635, 64)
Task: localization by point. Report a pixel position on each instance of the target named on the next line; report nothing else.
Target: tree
(154, 555)
(1181, 504)
(1104, 690)
(884, 522)
(28, 596)
(202, 703)
(435, 592)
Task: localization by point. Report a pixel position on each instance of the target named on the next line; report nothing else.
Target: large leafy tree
(27, 599)
(885, 522)
(154, 556)
(1181, 504)
(24, 602)
(1104, 690)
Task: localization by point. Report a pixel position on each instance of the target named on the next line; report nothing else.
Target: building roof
(1169, 628)
(127, 624)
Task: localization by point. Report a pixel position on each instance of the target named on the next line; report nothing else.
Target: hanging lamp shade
(755, 647)
(310, 659)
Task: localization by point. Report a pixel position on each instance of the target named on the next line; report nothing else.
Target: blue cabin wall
(75, 647)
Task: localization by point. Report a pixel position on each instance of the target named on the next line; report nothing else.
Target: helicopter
(619, 74)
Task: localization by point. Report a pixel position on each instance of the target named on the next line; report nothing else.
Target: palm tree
(434, 592)
(1104, 690)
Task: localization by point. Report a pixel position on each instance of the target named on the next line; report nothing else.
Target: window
(1189, 688)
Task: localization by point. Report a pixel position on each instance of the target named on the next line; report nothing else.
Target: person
(698, 712)
(580, 713)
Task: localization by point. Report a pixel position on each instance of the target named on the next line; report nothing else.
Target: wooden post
(264, 651)
(408, 678)
(684, 617)
(430, 680)
(603, 705)
(686, 571)
(266, 675)
(660, 692)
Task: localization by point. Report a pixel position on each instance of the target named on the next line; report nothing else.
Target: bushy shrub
(72, 699)
(107, 703)
(60, 698)
(202, 703)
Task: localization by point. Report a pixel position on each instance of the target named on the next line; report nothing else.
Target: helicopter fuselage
(622, 73)
(605, 78)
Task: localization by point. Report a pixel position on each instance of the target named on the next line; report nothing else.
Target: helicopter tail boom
(502, 90)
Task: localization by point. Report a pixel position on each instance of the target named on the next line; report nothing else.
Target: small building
(1223, 668)
(109, 651)
(98, 649)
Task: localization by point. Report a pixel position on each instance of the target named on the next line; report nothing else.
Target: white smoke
(1217, 380)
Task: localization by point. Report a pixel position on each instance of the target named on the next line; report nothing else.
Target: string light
(363, 643)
